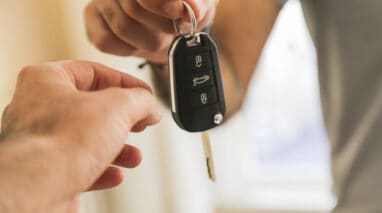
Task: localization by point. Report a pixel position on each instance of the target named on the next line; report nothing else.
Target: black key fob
(196, 88)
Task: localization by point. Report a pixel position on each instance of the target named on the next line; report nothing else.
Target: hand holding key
(201, 106)
(140, 28)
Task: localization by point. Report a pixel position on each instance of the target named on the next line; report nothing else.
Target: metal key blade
(208, 156)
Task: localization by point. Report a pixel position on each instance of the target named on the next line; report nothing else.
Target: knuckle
(101, 41)
(121, 27)
(25, 73)
(145, 96)
(135, 97)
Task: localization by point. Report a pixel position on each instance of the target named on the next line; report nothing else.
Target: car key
(197, 96)
(196, 88)
(208, 156)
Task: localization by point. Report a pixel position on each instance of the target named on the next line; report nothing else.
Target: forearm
(26, 175)
(241, 29)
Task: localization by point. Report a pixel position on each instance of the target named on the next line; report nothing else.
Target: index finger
(90, 76)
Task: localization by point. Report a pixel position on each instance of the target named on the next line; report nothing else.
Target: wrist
(11, 194)
(26, 177)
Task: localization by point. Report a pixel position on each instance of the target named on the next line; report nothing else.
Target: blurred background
(271, 157)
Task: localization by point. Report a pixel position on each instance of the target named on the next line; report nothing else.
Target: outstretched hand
(67, 124)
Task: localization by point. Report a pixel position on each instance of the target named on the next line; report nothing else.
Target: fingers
(172, 9)
(133, 106)
(127, 98)
(89, 76)
(141, 28)
(151, 20)
(112, 177)
(126, 28)
(74, 205)
(141, 125)
(134, 103)
(129, 157)
(101, 36)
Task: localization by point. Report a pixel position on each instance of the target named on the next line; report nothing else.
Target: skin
(40, 137)
(144, 28)
(66, 129)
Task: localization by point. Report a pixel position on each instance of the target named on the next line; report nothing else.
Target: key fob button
(201, 80)
(199, 62)
(204, 97)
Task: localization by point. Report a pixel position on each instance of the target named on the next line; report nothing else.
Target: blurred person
(348, 41)
(63, 132)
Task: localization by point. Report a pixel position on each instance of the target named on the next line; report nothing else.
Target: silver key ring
(194, 23)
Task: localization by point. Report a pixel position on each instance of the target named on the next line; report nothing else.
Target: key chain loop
(194, 23)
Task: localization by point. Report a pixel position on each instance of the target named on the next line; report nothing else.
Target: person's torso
(348, 39)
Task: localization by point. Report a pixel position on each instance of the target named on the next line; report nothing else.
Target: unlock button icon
(198, 61)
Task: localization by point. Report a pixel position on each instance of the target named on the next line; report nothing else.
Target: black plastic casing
(185, 113)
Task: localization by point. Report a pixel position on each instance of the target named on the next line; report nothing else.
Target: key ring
(194, 23)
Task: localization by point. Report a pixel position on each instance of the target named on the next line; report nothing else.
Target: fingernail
(173, 9)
